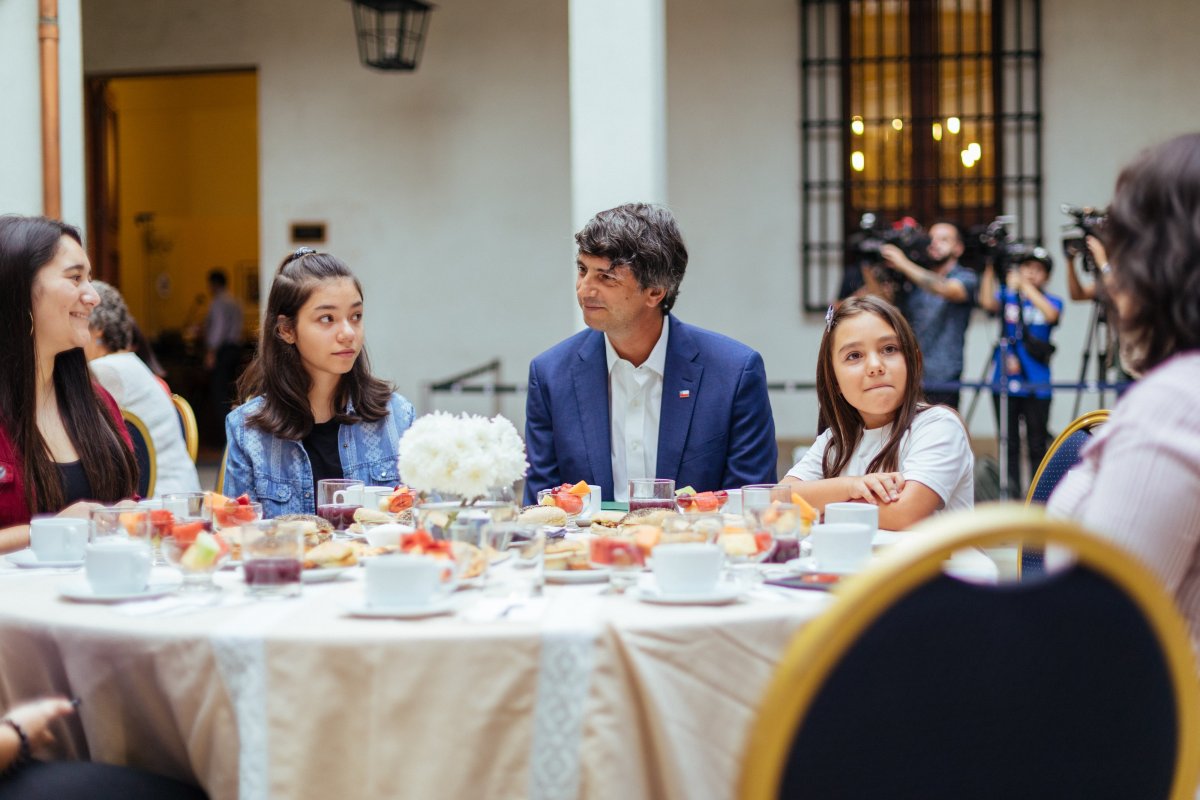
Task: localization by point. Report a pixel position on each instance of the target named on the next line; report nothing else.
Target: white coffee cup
(594, 497)
(733, 502)
(386, 535)
(350, 496)
(690, 568)
(854, 513)
(406, 581)
(118, 565)
(841, 546)
(58, 538)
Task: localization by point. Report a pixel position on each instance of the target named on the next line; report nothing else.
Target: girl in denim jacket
(312, 409)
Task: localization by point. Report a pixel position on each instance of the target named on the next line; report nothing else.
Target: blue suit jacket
(721, 435)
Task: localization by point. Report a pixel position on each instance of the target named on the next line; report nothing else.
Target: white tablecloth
(580, 695)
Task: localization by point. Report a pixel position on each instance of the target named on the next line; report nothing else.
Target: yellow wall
(187, 150)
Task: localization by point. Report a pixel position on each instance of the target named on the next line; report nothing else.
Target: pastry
(330, 554)
(564, 554)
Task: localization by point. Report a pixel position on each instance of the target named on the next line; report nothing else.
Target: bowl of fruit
(197, 553)
(572, 499)
(690, 501)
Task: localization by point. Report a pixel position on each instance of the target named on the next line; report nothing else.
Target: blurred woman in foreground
(1139, 479)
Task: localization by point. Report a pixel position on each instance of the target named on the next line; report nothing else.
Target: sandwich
(564, 554)
(607, 520)
(649, 516)
(330, 554)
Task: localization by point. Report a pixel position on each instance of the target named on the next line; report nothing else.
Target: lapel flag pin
(684, 394)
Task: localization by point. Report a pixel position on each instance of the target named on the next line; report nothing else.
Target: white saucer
(434, 609)
(321, 575)
(722, 595)
(81, 592)
(810, 565)
(577, 575)
(25, 559)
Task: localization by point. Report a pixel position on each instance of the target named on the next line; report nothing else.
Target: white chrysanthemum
(462, 454)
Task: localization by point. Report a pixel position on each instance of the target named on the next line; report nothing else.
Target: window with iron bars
(930, 109)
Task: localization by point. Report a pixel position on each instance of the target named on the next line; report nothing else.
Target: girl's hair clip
(299, 253)
(829, 319)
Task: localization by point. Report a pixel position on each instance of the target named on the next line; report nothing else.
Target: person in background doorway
(222, 344)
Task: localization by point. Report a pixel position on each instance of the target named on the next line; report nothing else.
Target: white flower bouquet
(465, 455)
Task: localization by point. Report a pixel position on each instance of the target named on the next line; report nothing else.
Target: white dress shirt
(634, 408)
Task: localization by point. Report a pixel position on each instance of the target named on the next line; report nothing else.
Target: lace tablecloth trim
(564, 678)
(242, 661)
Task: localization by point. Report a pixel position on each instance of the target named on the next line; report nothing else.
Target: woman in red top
(62, 440)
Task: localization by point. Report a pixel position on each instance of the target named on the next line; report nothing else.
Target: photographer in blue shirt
(1023, 354)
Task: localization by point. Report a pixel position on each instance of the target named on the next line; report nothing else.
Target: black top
(75, 482)
(321, 444)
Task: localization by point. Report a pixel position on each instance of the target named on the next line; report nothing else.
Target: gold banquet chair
(143, 452)
(916, 685)
(187, 423)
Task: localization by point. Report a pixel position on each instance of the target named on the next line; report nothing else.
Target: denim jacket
(277, 473)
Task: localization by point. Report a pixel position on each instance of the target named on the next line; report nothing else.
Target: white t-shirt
(132, 385)
(935, 452)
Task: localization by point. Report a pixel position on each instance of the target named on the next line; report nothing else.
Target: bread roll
(543, 515)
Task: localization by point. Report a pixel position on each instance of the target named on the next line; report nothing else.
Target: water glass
(272, 557)
(125, 522)
(651, 493)
(518, 552)
(191, 505)
(761, 495)
(337, 500)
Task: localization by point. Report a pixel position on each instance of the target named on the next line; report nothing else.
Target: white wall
(445, 189)
(20, 101)
(449, 189)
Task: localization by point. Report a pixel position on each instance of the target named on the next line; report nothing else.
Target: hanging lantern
(391, 33)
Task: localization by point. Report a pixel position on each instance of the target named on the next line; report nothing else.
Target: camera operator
(1076, 289)
(938, 307)
(1030, 315)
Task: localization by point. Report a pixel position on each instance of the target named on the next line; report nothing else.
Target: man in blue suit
(641, 394)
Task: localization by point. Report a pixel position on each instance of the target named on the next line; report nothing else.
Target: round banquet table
(578, 694)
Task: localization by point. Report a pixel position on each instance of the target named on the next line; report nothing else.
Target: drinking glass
(197, 560)
(233, 514)
(128, 522)
(192, 505)
(783, 523)
(651, 493)
(272, 557)
(572, 505)
(760, 495)
(337, 500)
(517, 552)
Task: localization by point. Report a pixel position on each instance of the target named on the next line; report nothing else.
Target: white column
(20, 96)
(70, 114)
(618, 106)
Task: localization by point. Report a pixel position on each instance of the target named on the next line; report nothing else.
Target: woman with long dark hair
(311, 407)
(1138, 482)
(62, 440)
(884, 445)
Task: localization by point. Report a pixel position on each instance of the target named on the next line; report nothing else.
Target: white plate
(577, 575)
(81, 592)
(722, 595)
(27, 560)
(884, 538)
(810, 565)
(321, 575)
(434, 609)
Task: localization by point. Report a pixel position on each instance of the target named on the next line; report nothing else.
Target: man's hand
(894, 258)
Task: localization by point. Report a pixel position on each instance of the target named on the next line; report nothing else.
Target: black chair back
(922, 686)
(143, 452)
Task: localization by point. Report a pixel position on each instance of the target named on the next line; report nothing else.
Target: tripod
(1000, 353)
(1100, 342)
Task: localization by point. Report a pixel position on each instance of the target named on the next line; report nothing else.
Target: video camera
(1088, 221)
(873, 234)
(995, 244)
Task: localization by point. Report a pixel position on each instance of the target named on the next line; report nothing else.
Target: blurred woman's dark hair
(276, 371)
(26, 245)
(1152, 236)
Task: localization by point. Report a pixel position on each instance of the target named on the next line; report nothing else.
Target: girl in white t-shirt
(883, 444)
